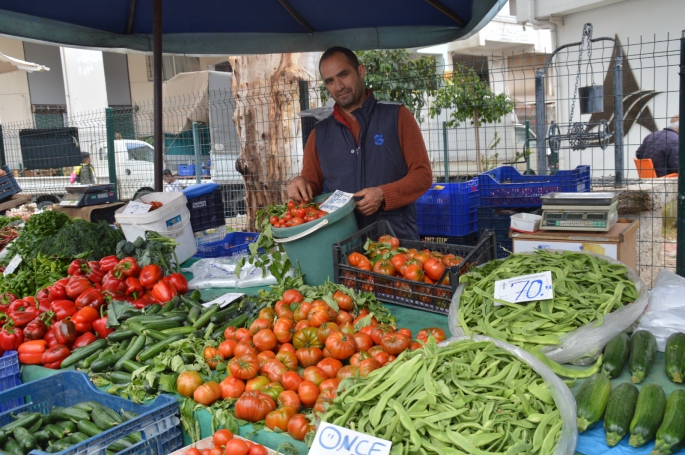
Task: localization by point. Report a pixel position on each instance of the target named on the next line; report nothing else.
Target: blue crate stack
(504, 191)
(448, 210)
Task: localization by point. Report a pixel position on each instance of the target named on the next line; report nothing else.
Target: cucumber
(137, 328)
(619, 412)
(591, 401)
(3, 437)
(119, 377)
(36, 426)
(123, 346)
(206, 317)
(170, 305)
(183, 330)
(84, 406)
(67, 426)
(83, 353)
(42, 437)
(128, 415)
(153, 309)
(156, 335)
(224, 315)
(642, 351)
(131, 365)
(615, 355)
(113, 414)
(106, 362)
(194, 314)
(132, 351)
(120, 335)
(118, 446)
(59, 413)
(102, 419)
(62, 444)
(670, 436)
(12, 447)
(25, 439)
(80, 437)
(88, 427)
(25, 421)
(158, 347)
(86, 363)
(675, 353)
(166, 324)
(55, 431)
(649, 412)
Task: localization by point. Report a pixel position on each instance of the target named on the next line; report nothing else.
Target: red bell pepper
(64, 281)
(100, 325)
(50, 338)
(21, 318)
(30, 352)
(150, 275)
(19, 305)
(63, 308)
(36, 329)
(163, 292)
(56, 292)
(65, 332)
(92, 298)
(75, 268)
(43, 294)
(6, 298)
(108, 263)
(84, 340)
(53, 357)
(114, 284)
(180, 283)
(127, 267)
(142, 302)
(83, 319)
(10, 337)
(77, 286)
(134, 287)
(94, 273)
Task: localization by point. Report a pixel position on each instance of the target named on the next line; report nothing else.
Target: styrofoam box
(208, 443)
(526, 222)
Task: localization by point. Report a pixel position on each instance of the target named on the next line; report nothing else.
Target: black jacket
(662, 148)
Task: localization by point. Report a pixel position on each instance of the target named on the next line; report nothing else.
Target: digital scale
(85, 195)
(579, 211)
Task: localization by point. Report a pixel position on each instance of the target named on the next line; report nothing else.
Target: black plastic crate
(401, 291)
(207, 212)
(498, 221)
(467, 240)
(8, 185)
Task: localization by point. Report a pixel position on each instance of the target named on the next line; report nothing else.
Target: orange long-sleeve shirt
(397, 194)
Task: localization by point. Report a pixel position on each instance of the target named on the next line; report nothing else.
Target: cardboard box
(208, 443)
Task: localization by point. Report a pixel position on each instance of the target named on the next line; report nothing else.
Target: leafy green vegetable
(82, 239)
(264, 252)
(154, 249)
(37, 228)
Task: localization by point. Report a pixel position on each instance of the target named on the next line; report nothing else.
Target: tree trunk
(476, 126)
(267, 103)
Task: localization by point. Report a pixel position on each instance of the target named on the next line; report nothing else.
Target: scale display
(86, 195)
(577, 219)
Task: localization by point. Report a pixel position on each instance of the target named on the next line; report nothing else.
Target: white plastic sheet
(583, 345)
(220, 273)
(666, 313)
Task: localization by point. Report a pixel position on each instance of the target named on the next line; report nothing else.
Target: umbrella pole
(157, 91)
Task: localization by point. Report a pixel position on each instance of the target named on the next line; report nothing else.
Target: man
(86, 174)
(662, 148)
(171, 183)
(372, 149)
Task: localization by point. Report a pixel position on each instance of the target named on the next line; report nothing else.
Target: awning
(10, 64)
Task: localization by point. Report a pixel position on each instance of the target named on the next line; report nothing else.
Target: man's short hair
(675, 123)
(351, 56)
(84, 155)
(167, 172)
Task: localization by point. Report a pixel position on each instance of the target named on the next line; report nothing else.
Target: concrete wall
(15, 102)
(84, 80)
(141, 88)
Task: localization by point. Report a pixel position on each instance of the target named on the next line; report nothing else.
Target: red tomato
(286, 347)
(253, 407)
(303, 324)
(267, 313)
(437, 333)
(343, 317)
(413, 273)
(354, 258)
(330, 366)
(255, 384)
(221, 437)
(236, 447)
(216, 451)
(280, 418)
(406, 332)
(229, 333)
(344, 301)
(257, 449)
(265, 340)
(211, 356)
(348, 371)
(259, 324)
(244, 348)
(314, 374)
(302, 312)
(347, 328)
(274, 370)
(367, 366)
(291, 380)
(231, 387)
(394, 343)
(379, 331)
(187, 382)
(329, 384)
(398, 260)
(244, 367)
(289, 398)
(325, 330)
(341, 345)
(298, 427)
(207, 393)
(389, 239)
(381, 357)
(226, 348)
(193, 451)
(284, 329)
(292, 295)
(362, 341)
(357, 358)
(308, 357)
(384, 268)
(308, 393)
(242, 334)
(264, 356)
(289, 359)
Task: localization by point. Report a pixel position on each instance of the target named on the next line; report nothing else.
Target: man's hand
(300, 189)
(372, 199)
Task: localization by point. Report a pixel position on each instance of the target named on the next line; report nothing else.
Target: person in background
(370, 148)
(86, 174)
(662, 148)
(171, 183)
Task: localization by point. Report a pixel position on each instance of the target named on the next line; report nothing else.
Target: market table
(590, 443)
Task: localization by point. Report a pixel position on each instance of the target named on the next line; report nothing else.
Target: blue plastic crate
(448, 209)
(157, 421)
(186, 169)
(8, 185)
(234, 244)
(10, 376)
(506, 187)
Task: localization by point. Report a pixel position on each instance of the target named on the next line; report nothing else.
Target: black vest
(376, 161)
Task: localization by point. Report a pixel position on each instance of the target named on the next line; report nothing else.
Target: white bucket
(171, 220)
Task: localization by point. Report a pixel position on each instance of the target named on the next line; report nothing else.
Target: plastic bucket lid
(202, 189)
(311, 244)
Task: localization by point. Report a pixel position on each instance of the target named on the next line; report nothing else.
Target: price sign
(136, 208)
(525, 288)
(335, 201)
(12, 266)
(224, 299)
(332, 439)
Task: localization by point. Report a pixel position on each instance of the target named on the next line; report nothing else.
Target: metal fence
(251, 142)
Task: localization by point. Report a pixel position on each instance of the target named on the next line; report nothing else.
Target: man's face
(344, 83)
(168, 178)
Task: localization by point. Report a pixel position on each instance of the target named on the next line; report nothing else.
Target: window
(172, 65)
(224, 67)
(141, 153)
(478, 64)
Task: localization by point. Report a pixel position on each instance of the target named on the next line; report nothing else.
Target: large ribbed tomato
(265, 340)
(244, 367)
(330, 366)
(254, 406)
(284, 329)
(341, 345)
(307, 338)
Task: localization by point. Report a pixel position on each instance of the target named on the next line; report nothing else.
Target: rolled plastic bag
(563, 398)
(666, 313)
(582, 345)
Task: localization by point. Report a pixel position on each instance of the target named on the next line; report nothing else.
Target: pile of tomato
(297, 214)
(226, 444)
(294, 356)
(386, 257)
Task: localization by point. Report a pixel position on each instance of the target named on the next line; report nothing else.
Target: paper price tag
(525, 288)
(335, 201)
(224, 299)
(136, 208)
(332, 439)
(12, 266)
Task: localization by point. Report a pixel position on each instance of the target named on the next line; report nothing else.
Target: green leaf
(150, 378)
(177, 364)
(139, 372)
(328, 298)
(363, 322)
(167, 383)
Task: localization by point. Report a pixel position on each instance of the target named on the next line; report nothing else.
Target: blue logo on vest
(379, 139)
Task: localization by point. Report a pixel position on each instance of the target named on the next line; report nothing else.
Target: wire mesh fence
(250, 141)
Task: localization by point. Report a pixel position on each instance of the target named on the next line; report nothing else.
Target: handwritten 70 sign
(332, 439)
(525, 288)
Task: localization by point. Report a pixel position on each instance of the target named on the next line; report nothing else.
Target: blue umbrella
(220, 27)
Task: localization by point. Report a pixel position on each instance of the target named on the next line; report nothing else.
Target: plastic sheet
(563, 398)
(220, 273)
(582, 345)
(666, 313)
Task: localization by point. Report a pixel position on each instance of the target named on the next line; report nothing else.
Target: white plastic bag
(220, 273)
(666, 313)
(583, 345)
(563, 397)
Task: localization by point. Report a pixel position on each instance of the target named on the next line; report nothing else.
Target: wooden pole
(157, 92)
